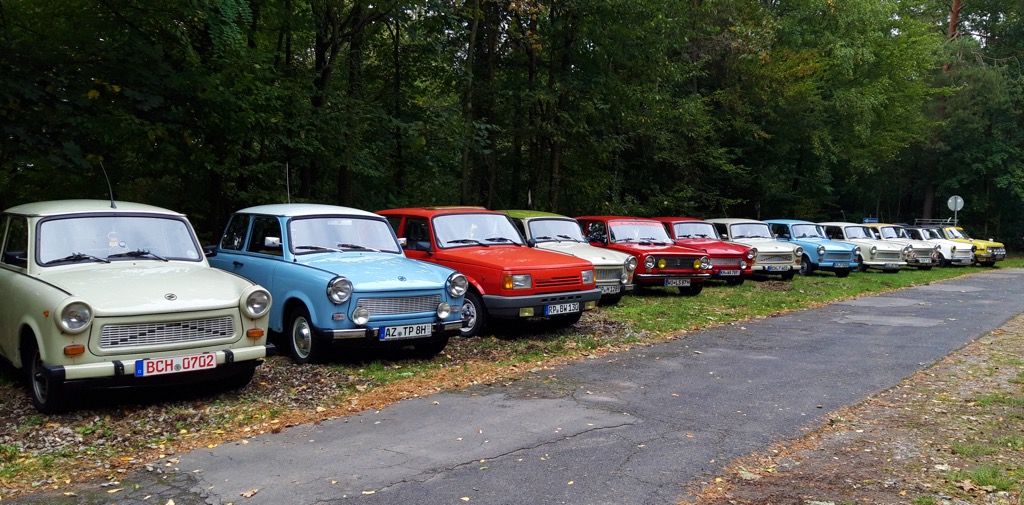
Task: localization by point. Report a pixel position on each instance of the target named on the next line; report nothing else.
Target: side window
(723, 232)
(395, 222)
(780, 230)
(833, 233)
(520, 226)
(596, 232)
(234, 234)
(417, 234)
(16, 242)
(266, 236)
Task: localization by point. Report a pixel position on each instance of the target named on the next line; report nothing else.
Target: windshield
(639, 232)
(750, 230)
(543, 230)
(695, 229)
(957, 233)
(318, 234)
(459, 230)
(807, 231)
(855, 232)
(930, 234)
(891, 232)
(100, 238)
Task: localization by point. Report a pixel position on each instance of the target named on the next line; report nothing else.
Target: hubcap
(469, 312)
(302, 338)
(39, 384)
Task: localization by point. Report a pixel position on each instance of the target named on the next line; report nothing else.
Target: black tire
(430, 348)
(692, 289)
(943, 262)
(49, 397)
(238, 380)
(844, 273)
(475, 313)
(987, 263)
(611, 300)
(301, 339)
(788, 276)
(861, 267)
(735, 282)
(806, 268)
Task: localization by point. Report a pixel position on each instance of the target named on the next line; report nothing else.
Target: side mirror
(531, 242)
(403, 242)
(272, 242)
(210, 251)
(725, 236)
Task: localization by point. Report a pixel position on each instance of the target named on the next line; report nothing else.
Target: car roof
(439, 210)
(674, 219)
(63, 207)
(615, 218)
(733, 220)
(528, 214)
(304, 209)
(841, 223)
(788, 221)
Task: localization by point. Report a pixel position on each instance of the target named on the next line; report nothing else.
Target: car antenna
(110, 189)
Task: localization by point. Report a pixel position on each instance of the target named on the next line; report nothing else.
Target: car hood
(982, 244)
(637, 249)
(768, 246)
(380, 271)
(810, 244)
(512, 258)
(882, 245)
(712, 246)
(596, 255)
(151, 287)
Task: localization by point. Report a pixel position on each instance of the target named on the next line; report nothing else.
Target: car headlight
(743, 265)
(339, 290)
(907, 250)
(751, 253)
(360, 316)
(937, 248)
(821, 250)
(75, 317)
(457, 284)
(856, 250)
(649, 262)
(874, 250)
(257, 304)
(704, 263)
(974, 248)
(798, 252)
(588, 277)
(444, 310)
(631, 263)
(951, 249)
(517, 281)
(624, 278)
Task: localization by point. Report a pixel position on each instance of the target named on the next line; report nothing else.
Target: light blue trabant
(339, 276)
(820, 253)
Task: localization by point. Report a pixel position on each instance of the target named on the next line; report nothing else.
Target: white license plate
(561, 308)
(777, 268)
(840, 265)
(924, 260)
(891, 266)
(610, 290)
(405, 331)
(175, 364)
(728, 272)
(677, 282)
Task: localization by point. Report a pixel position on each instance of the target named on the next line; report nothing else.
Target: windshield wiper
(317, 248)
(466, 241)
(502, 239)
(357, 246)
(76, 257)
(138, 253)
(652, 240)
(568, 238)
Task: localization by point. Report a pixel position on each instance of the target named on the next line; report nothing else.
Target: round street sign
(955, 203)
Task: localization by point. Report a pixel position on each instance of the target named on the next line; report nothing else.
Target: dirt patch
(950, 434)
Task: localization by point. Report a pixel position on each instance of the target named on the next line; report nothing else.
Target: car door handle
(238, 264)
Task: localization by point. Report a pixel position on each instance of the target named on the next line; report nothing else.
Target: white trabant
(108, 293)
(773, 256)
(923, 254)
(875, 253)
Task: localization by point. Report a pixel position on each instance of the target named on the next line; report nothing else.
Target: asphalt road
(634, 427)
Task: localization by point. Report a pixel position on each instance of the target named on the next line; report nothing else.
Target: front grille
(725, 262)
(400, 305)
(774, 258)
(115, 336)
(559, 282)
(678, 261)
(609, 274)
(888, 256)
(997, 251)
(838, 257)
(965, 254)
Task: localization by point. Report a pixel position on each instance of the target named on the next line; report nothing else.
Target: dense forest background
(816, 109)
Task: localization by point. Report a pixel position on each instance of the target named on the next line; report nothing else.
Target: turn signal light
(255, 333)
(74, 350)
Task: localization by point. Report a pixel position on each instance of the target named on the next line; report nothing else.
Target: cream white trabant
(875, 253)
(773, 256)
(924, 254)
(106, 293)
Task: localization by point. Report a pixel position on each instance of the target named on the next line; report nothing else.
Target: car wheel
(48, 396)
(611, 300)
(735, 282)
(861, 267)
(844, 273)
(691, 290)
(301, 342)
(987, 263)
(566, 320)
(475, 314)
(805, 266)
(430, 348)
(942, 261)
(788, 276)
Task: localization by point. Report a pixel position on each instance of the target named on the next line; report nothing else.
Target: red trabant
(730, 262)
(661, 261)
(508, 279)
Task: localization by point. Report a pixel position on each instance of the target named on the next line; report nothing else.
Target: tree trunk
(466, 197)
